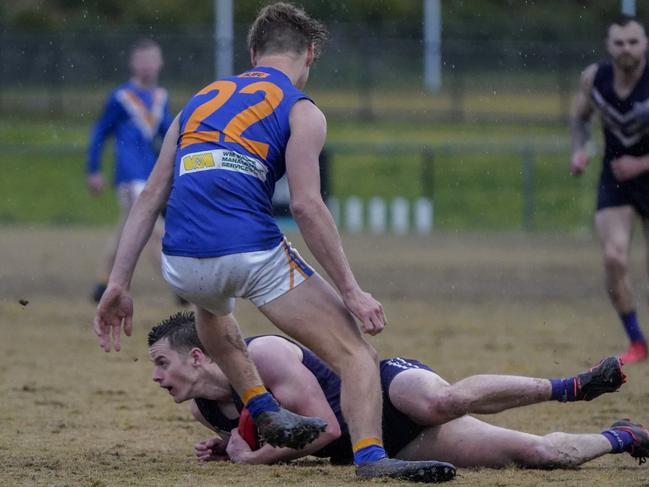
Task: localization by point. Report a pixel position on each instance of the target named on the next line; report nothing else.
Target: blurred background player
(424, 416)
(619, 90)
(137, 115)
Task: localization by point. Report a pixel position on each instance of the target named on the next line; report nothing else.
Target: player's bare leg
(614, 229)
(428, 399)
(222, 340)
(314, 315)
(469, 442)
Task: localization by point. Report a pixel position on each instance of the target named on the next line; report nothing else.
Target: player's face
(146, 64)
(173, 371)
(627, 45)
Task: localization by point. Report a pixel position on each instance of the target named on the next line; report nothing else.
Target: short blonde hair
(283, 27)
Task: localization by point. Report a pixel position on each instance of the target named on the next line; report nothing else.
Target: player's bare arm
(580, 117)
(281, 369)
(308, 132)
(116, 305)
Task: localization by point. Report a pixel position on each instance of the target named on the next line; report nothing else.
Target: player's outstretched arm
(104, 127)
(281, 369)
(581, 113)
(308, 132)
(116, 306)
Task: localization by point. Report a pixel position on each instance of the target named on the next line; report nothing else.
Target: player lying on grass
(424, 416)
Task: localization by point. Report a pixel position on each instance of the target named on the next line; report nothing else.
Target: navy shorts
(612, 193)
(398, 429)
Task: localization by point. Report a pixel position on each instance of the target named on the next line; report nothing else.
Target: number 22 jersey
(230, 153)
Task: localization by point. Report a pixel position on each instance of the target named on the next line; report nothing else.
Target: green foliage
(462, 19)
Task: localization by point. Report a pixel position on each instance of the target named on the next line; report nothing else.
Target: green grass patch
(46, 184)
(477, 177)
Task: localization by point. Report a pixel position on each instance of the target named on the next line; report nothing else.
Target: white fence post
(400, 211)
(354, 214)
(376, 213)
(424, 216)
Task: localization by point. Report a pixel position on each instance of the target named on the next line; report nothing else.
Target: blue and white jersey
(624, 134)
(135, 116)
(230, 153)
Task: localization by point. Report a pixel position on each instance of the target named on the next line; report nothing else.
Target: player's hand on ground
(212, 450)
(237, 448)
(627, 167)
(368, 311)
(578, 162)
(114, 308)
(95, 183)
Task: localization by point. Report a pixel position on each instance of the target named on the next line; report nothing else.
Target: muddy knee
(446, 404)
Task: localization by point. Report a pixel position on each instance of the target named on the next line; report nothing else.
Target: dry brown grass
(72, 415)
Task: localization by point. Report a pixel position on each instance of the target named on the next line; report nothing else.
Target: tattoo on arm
(580, 131)
(234, 338)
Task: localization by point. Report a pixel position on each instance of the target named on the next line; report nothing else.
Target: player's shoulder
(269, 344)
(305, 111)
(587, 77)
(273, 348)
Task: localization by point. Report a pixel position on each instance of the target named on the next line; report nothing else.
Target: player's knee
(372, 353)
(364, 351)
(446, 404)
(615, 257)
(544, 452)
(353, 355)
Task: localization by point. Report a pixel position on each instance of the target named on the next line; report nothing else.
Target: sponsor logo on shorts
(402, 364)
(223, 159)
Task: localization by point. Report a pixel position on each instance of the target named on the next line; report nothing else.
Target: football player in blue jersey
(136, 114)
(619, 90)
(216, 175)
(424, 416)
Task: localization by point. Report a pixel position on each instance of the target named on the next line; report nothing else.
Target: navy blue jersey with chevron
(626, 130)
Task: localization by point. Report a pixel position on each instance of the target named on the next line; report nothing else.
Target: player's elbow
(305, 206)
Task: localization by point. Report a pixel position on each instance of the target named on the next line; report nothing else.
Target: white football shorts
(128, 192)
(213, 283)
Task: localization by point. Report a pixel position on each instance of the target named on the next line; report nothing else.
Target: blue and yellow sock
(368, 450)
(258, 400)
(620, 440)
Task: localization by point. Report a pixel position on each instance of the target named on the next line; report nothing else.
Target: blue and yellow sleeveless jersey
(230, 153)
(135, 116)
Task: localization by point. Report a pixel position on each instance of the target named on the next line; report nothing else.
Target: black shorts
(398, 429)
(612, 193)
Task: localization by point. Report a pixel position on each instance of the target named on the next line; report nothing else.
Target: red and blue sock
(565, 390)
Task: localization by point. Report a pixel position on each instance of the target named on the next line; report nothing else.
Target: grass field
(477, 181)
(465, 304)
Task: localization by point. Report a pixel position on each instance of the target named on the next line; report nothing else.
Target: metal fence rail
(364, 73)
